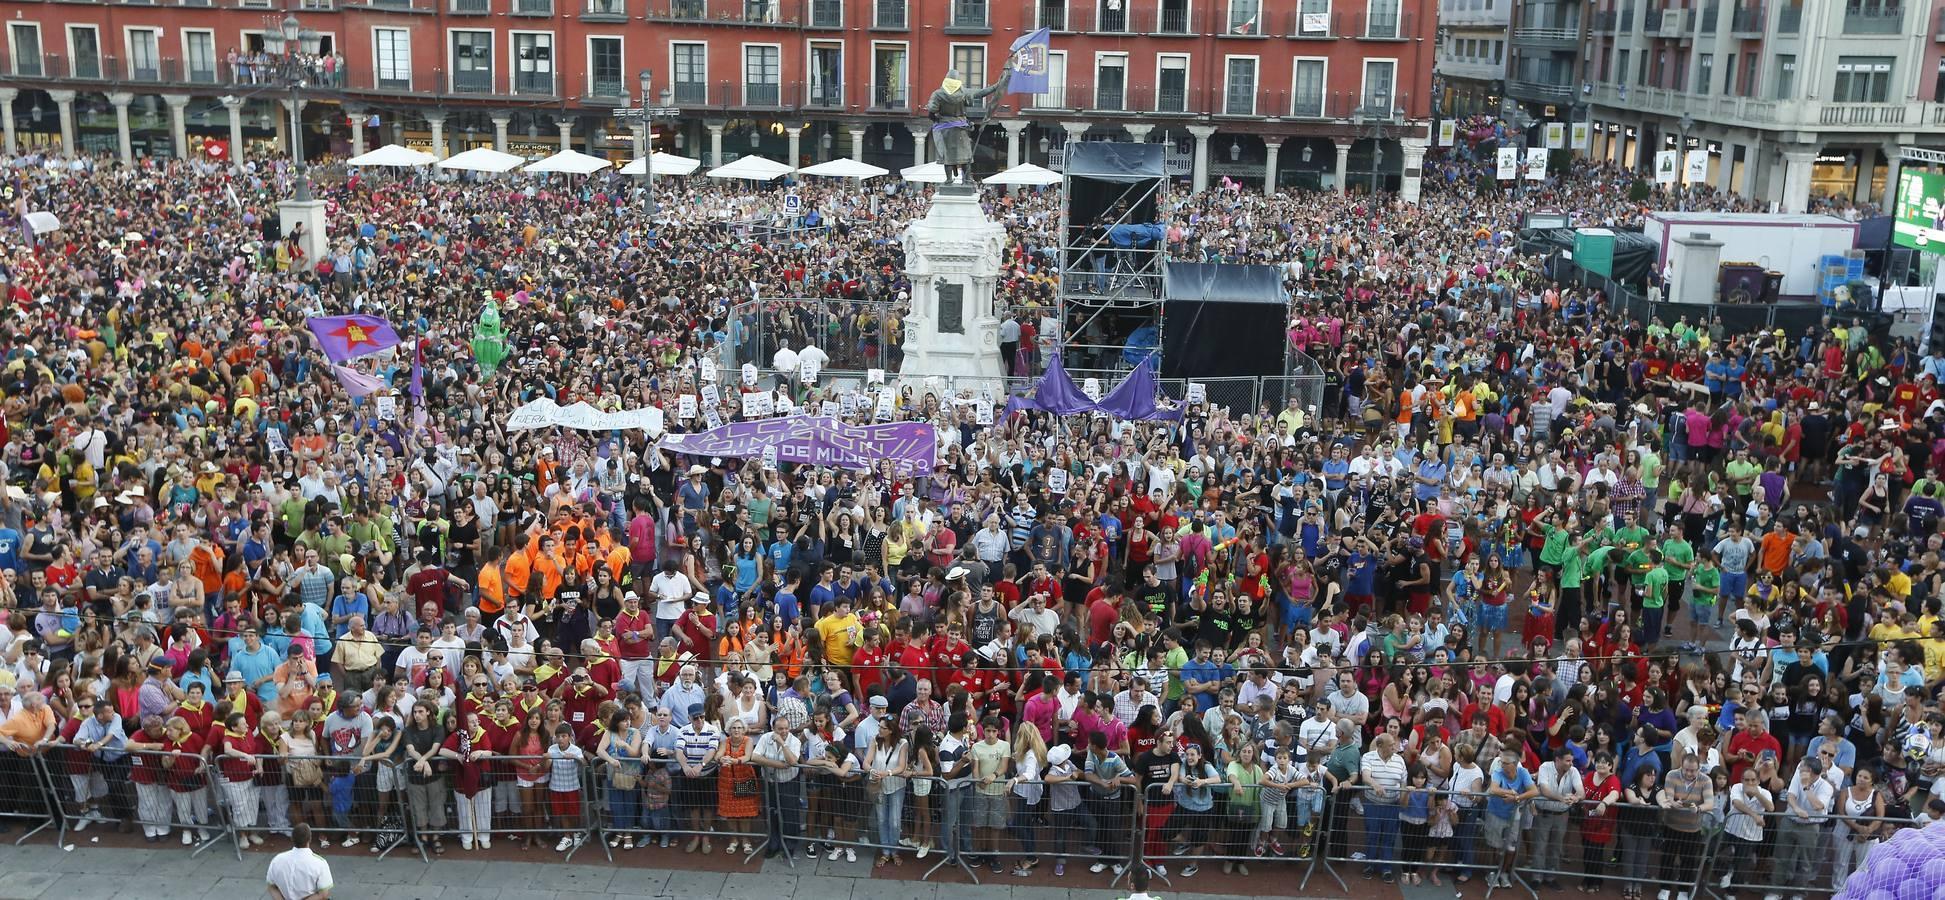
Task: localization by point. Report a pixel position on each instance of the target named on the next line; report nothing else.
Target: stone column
(1866, 168)
(235, 107)
(1013, 129)
(7, 96)
(356, 115)
(437, 122)
(1076, 132)
(1895, 165)
(715, 143)
(123, 146)
(1343, 164)
(796, 135)
(500, 124)
(1139, 132)
(1272, 145)
(857, 142)
(64, 101)
(1202, 134)
(1725, 171)
(178, 126)
(1413, 178)
(566, 128)
(919, 135)
(1796, 179)
(293, 135)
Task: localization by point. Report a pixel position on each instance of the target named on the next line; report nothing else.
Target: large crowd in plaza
(1536, 591)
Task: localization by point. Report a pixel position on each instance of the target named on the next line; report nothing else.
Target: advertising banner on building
(1918, 217)
(1583, 137)
(1536, 164)
(1695, 167)
(1509, 163)
(1665, 167)
(1448, 131)
(1556, 135)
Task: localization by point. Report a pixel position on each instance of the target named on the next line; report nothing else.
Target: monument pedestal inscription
(953, 257)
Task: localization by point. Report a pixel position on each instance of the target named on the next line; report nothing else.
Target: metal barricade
(25, 794)
(1235, 828)
(1645, 846)
(161, 792)
(1792, 857)
(657, 806)
(515, 798)
(344, 800)
(1069, 821)
(1440, 831)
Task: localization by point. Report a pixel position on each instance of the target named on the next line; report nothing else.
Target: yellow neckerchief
(531, 702)
(330, 698)
(235, 734)
(480, 697)
(545, 671)
(272, 741)
(478, 736)
(197, 707)
(598, 658)
(240, 699)
(507, 722)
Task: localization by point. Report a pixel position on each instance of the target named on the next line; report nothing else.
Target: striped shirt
(1385, 777)
(693, 746)
(314, 584)
(564, 770)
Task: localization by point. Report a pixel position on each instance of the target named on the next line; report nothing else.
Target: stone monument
(953, 258)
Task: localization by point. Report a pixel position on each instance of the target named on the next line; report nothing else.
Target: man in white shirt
(1348, 703)
(778, 752)
(672, 589)
(1381, 774)
(1799, 831)
(297, 873)
(1560, 789)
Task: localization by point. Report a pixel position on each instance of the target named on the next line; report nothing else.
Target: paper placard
(1198, 392)
(707, 367)
(1665, 164)
(848, 403)
(1508, 163)
(750, 402)
(1695, 166)
(711, 396)
(711, 416)
(749, 374)
(828, 408)
(274, 439)
(983, 412)
(1057, 480)
(885, 408)
(770, 458)
(685, 406)
(1092, 388)
(782, 405)
(1536, 164)
(388, 407)
(807, 371)
(874, 376)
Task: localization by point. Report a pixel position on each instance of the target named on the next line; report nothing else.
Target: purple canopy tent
(1132, 399)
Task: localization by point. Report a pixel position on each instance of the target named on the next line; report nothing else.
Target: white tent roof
(930, 173)
(1026, 173)
(43, 222)
(845, 168)
(483, 159)
(572, 162)
(664, 163)
(395, 156)
(755, 168)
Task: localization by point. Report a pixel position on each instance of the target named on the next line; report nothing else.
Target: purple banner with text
(817, 440)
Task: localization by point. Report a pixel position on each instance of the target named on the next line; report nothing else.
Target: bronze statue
(952, 135)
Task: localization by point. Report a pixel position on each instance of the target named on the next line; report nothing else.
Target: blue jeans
(1465, 833)
(1381, 834)
(955, 834)
(623, 809)
(1076, 821)
(886, 811)
(785, 817)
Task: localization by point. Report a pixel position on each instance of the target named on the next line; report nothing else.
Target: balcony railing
(1706, 24)
(1244, 22)
(968, 14)
(1748, 21)
(1386, 25)
(740, 12)
(1789, 20)
(889, 14)
(533, 7)
(1939, 30)
(1172, 21)
(1053, 14)
(1605, 21)
(828, 95)
(472, 7)
(1862, 114)
(1873, 19)
(1540, 36)
(886, 97)
(1109, 99)
(476, 81)
(1314, 25)
(1308, 105)
(616, 10)
(610, 88)
(1172, 100)
(1651, 23)
(1541, 89)
(761, 95)
(691, 93)
(827, 13)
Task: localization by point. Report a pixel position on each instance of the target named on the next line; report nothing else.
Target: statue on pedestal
(953, 137)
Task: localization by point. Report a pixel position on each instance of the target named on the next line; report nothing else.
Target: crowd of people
(1530, 570)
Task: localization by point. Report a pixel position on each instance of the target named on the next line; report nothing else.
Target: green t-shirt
(1597, 560)
(1674, 554)
(1655, 589)
(1572, 569)
(1650, 469)
(1558, 542)
(1708, 583)
(1633, 537)
(1175, 659)
(1739, 469)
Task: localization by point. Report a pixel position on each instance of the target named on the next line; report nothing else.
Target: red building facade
(1323, 91)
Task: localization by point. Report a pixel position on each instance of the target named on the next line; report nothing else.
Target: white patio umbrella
(43, 222)
(930, 173)
(483, 159)
(571, 162)
(394, 156)
(663, 164)
(1028, 174)
(755, 168)
(845, 168)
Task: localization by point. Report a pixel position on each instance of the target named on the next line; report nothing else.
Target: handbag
(304, 773)
(624, 781)
(744, 786)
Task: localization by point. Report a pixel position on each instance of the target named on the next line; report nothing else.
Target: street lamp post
(290, 47)
(648, 113)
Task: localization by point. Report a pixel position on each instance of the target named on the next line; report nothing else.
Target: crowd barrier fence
(829, 809)
(163, 793)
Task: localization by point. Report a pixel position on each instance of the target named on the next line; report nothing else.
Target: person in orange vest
(492, 581)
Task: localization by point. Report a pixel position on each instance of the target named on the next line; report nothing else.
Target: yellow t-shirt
(841, 637)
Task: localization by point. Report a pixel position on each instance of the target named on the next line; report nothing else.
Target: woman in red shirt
(238, 748)
(468, 748)
(186, 784)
